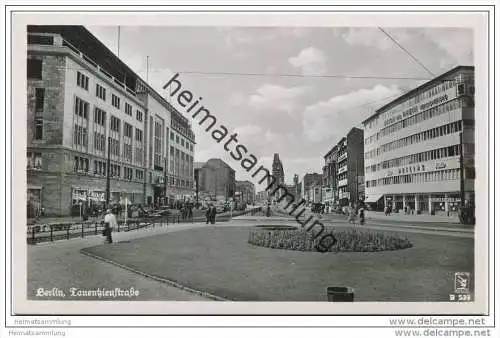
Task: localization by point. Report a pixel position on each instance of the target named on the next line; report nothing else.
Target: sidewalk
(423, 218)
(61, 265)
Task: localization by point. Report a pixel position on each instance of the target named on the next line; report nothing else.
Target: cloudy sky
(299, 117)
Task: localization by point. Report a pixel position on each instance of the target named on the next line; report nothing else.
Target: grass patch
(219, 260)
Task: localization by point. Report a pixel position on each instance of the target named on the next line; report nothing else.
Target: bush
(351, 240)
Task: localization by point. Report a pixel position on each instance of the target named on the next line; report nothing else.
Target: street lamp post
(108, 173)
(165, 182)
(461, 159)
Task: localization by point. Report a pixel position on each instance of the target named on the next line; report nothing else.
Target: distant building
(330, 188)
(310, 183)
(277, 168)
(350, 168)
(245, 192)
(413, 146)
(216, 179)
(261, 197)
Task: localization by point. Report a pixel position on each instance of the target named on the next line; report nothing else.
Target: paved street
(61, 265)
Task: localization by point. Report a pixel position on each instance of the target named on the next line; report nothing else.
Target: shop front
(33, 202)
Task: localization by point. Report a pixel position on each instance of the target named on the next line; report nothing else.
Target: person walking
(213, 213)
(352, 215)
(208, 213)
(361, 216)
(109, 223)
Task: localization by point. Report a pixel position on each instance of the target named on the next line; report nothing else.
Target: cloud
(248, 130)
(236, 99)
(310, 60)
(372, 37)
(275, 97)
(338, 115)
(457, 43)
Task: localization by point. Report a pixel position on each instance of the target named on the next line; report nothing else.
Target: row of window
(182, 129)
(180, 183)
(82, 81)
(423, 116)
(425, 156)
(433, 91)
(179, 140)
(419, 137)
(423, 177)
(423, 136)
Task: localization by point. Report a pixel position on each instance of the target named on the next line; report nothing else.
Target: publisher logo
(462, 281)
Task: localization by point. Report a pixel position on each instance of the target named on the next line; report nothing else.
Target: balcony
(342, 157)
(342, 169)
(342, 183)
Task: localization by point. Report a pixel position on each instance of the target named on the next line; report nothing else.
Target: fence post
(82, 230)
(67, 231)
(51, 228)
(96, 228)
(33, 235)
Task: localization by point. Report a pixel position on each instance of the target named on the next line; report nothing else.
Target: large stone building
(245, 192)
(413, 146)
(85, 103)
(350, 168)
(216, 179)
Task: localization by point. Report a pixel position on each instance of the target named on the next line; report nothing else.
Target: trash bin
(340, 294)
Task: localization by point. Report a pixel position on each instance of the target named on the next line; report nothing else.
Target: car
(317, 207)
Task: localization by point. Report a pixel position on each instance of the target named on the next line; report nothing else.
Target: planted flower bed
(348, 240)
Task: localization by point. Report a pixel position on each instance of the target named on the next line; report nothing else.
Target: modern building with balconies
(350, 168)
(419, 148)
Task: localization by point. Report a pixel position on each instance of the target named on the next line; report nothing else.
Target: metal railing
(39, 233)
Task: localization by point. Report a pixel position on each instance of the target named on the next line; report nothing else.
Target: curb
(156, 278)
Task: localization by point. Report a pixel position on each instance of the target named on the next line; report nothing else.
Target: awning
(373, 198)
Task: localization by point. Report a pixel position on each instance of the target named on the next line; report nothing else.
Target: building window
(81, 164)
(40, 98)
(100, 92)
(99, 116)
(34, 69)
(182, 142)
(128, 130)
(99, 141)
(128, 109)
(139, 175)
(38, 128)
(81, 108)
(127, 173)
(138, 135)
(80, 135)
(115, 101)
(115, 124)
(82, 80)
(138, 115)
(177, 139)
(172, 135)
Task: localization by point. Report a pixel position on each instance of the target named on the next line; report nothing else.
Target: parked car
(317, 207)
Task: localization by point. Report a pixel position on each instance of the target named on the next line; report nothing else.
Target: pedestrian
(213, 212)
(352, 215)
(361, 216)
(190, 211)
(109, 223)
(208, 213)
